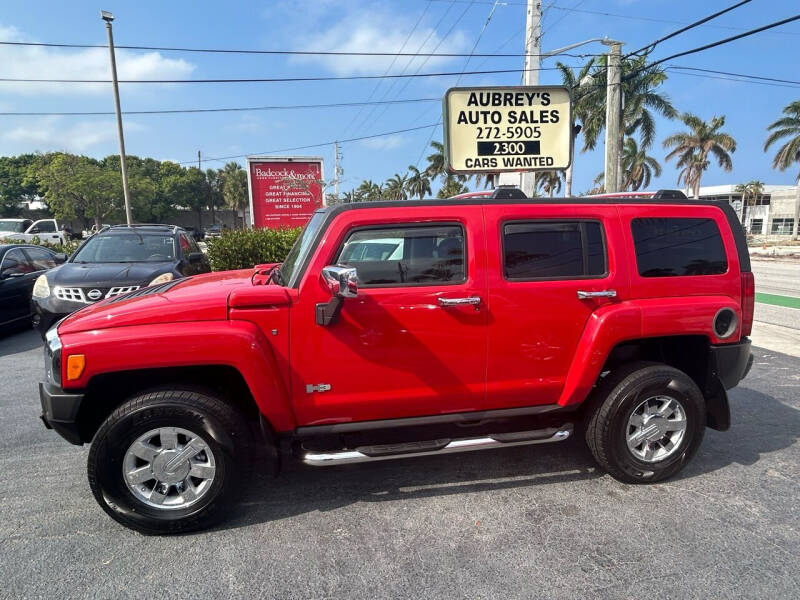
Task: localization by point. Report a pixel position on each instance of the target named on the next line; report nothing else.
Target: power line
(760, 77)
(715, 44)
(649, 48)
(267, 52)
(355, 139)
(741, 79)
(222, 109)
(270, 79)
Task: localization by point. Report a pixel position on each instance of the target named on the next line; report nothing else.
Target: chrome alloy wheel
(169, 468)
(656, 428)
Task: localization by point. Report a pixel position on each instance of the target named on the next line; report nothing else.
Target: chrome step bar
(434, 447)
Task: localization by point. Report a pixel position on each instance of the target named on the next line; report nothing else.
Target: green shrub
(67, 248)
(244, 248)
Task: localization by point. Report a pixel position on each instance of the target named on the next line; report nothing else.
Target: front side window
(127, 247)
(553, 250)
(669, 247)
(15, 263)
(406, 255)
(46, 227)
(42, 259)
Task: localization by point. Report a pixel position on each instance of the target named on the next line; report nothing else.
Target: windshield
(12, 226)
(127, 247)
(298, 253)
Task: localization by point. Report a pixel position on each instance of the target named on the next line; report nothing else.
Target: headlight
(160, 279)
(41, 289)
(52, 353)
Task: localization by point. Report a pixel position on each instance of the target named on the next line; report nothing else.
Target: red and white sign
(284, 192)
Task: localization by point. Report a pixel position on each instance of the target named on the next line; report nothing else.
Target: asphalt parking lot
(515, 523)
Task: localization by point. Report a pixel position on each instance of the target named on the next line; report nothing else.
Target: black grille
(145, 291)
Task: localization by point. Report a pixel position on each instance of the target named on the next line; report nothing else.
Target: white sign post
(502, 129)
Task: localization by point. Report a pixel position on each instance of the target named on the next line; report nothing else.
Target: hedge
(67, 248)
(244, 248)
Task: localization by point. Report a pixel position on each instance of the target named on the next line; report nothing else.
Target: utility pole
(108, 17)
(533, 48)
(336, 170)
(613, 116)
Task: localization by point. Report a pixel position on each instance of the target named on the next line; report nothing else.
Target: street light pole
(108, 17)
(613, 116)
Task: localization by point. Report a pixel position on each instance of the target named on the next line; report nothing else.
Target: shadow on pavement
(22, 341)
(761, 424)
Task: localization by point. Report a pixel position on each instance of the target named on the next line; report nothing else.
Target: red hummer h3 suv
(403, 329)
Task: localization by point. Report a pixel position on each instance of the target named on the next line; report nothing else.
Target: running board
(434, 447)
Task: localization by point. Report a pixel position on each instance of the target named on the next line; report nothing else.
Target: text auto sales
(484, 115)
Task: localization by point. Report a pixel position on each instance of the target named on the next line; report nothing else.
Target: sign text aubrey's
(284, 192)
(498, 129)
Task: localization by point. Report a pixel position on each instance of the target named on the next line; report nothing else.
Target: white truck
(24, 230)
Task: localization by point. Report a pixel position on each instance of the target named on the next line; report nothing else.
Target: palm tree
(452, 187)
(487, 179)
(789, 153)
(436, 163)
(750, 192)
(395, 187)
(693, 148)
(369, 190)
(580, 108)
(418, 183)
(234, 186)
(549, 182)
(637, 167)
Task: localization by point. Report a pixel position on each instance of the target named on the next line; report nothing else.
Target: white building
(773, 214)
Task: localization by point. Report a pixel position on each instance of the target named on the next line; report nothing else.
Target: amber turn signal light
(75, 365)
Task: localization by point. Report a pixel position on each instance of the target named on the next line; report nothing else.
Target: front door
(413, 342)
(549, 267)
(17, 276)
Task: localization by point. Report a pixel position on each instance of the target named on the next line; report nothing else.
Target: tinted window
(670, 247)
(42, 259)
(553, 250)
(409, 255)
(15, 263)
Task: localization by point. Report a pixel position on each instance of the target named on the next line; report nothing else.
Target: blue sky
(362, 25)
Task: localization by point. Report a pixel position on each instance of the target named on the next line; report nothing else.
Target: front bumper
(732, 362)
(48, 311)
(60, 411)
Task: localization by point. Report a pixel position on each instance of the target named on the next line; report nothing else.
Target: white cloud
(36, 62)
(52, 134)
(379, 32)
(387, 142)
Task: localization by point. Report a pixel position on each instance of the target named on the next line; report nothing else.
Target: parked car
(20, 266)
(454, 325)
(214, 230)
(24, 230)
(115, 261)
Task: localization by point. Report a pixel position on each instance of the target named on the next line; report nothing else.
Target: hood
(103, 275)
(198, 298)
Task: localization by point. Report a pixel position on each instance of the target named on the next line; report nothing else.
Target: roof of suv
(157, 227)
(727, 209)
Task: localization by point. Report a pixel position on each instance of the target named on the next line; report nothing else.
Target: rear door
(543, 260)
(410, 344)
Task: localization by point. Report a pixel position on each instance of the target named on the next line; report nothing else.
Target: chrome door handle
(458, 301)
(601, 294)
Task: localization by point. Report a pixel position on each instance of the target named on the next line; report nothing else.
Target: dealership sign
(284, 191)
(496, 129)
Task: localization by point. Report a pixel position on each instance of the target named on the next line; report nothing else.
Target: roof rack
(174, 228)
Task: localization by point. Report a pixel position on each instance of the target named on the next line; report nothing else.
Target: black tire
(614, 401)
(221, 427)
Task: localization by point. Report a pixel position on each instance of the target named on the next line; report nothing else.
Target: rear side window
(553, 250)
(406, 255)
(669, 247)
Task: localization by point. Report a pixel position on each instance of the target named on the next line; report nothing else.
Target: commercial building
(773, 214)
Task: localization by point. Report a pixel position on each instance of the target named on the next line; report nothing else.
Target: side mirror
(195, 257)
(60, 258)
(342, 281)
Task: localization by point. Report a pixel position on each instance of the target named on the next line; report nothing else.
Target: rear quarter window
(671, 247)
